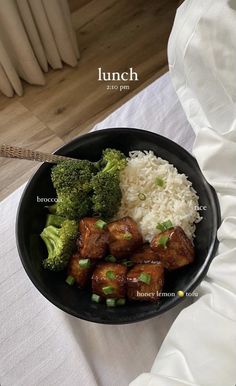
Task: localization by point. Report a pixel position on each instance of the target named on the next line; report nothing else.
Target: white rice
(176, 200)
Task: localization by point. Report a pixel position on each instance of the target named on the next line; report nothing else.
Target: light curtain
(34, 34)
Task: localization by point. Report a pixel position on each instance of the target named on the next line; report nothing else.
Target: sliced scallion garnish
(100, 224)
(70, 280)
(128, 263)
(111, 302)
(110, 258)
(127, 236)
(145, 277)
(110, 275)
(160, 182)
(164, 225)
(84, 263)
(107, 290)
(163, 240)
(95, 298)
(142, 196)
(120, 302)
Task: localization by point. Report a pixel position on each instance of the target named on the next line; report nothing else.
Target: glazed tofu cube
(93, 240)
(109, 279)
(144, 255)
(145, 282)
(174, 248)
(79, 271)
(124, 237)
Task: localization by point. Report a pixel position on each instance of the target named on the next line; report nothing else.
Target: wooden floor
(112, 34)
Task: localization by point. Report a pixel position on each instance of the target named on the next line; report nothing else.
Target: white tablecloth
(40, 344)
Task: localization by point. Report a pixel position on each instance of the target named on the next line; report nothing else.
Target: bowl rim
(175, 300)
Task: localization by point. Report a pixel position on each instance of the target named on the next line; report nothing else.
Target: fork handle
(9, 151)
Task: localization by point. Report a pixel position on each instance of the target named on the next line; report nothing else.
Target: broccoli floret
(60, 243)
(55, 220)
(81, 189)
(107, 194)
(72, 181)
(73, 205)
(75, 175)
(113, 161)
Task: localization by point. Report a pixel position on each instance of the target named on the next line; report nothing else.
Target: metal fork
(9, 151)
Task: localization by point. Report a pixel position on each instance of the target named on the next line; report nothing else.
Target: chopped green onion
(111, 302)
(95, 298)
(110, 275)
(163, 240)
(127, 236)
(160, 182)
(128, 263)
(84, 263)
(142, 196)
(164, 225)
(120, 302)
(108, 289)
(100, 224)
(70, 280)
(145, 277)
(110, 258)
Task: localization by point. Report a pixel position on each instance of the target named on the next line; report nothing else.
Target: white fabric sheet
(41, 345)
(200, 348)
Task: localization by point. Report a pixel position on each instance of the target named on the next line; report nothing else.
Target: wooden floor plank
(20, 127)
(76, 4)
(112, 34)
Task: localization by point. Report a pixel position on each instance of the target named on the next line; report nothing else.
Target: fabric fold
(5, 85)
(33, 35)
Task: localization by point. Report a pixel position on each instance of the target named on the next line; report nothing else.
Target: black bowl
(32, 214)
